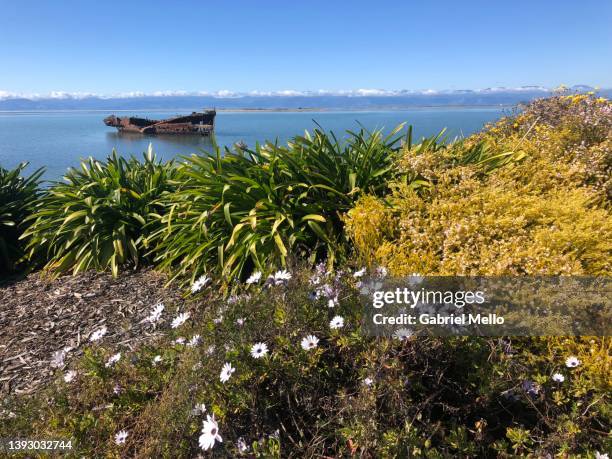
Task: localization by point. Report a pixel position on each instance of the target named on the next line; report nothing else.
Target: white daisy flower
(180, 320)
(402, 334)
(281, 276)
(113, 360)
(210, 433)
(57, 359)
(98, 334)
(327, 291)
(210, 350)
(157, 359)
(572, 362)
(558, 377)
(179, 340)
(259, 350)
(368, 381)
(359, 273)
(240, 321)
(309, 342)
(599, 455)
(120, 437)
(199, 283)
(69, 376)
(332, 302)
(155, 313)
(194, 341)
(117, 389)
(199, 409)
(241, 445)
(254, 278)
(336, 322)
(226, 372)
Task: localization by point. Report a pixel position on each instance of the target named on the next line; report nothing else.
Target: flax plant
(17, 196)
(251, 209)
(100, 216)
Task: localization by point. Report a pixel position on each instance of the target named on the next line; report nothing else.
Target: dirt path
(40, 318)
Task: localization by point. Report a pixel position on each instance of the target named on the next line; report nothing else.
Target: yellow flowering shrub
(547, 213)
(477, 229)
(529, 195)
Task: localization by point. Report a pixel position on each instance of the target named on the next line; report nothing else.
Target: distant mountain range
(361, 99)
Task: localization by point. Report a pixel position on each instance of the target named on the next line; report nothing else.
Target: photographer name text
(438, 319)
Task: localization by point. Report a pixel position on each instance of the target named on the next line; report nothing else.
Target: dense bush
(101, 215)
(253, 208)
(348, 395)
(17, 196)
(545, 212)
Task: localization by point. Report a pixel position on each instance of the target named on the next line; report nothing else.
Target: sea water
(58, 140)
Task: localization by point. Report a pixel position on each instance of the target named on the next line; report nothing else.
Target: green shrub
(101, 216)
(17, 195)
(250, 209)
(349, 395)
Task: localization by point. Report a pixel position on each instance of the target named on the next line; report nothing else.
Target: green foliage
(100, 216)
(529, 195)
(429, 397)
(253, 208)
(17, 195)
(519, 438)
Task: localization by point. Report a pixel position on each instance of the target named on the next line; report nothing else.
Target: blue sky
(109, 47)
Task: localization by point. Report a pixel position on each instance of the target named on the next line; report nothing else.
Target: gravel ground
(41, 316)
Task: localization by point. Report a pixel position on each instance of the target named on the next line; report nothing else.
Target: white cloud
(372, 92)
(290, 92)
(225, 93)
(169, 93)
(7, 95)
(124, 95)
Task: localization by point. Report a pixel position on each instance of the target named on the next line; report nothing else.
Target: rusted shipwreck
(200, 123)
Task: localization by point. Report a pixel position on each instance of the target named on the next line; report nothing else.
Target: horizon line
(228, 94)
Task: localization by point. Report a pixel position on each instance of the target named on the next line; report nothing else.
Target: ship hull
(194, 124)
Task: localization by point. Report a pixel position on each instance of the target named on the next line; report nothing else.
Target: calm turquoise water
(58, 140)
